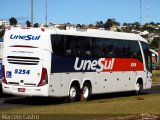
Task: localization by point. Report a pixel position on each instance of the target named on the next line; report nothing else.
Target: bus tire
(73, 93)
(86, 92)
(139, 88)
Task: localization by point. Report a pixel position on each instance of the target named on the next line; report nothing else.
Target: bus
(1, 47)
(74, 63)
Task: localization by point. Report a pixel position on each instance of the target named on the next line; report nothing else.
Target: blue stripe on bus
(66, 64)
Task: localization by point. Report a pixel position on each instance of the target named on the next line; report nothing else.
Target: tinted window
(67, 45)
(85, 46)
(124, 48)
(110, 48)
(58, 44)
(71, 45)
(135, 51)
(147, 55)
(98, 47)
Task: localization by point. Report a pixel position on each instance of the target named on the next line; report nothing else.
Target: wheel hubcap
(85, 92)
(72, 92)
(137, 87)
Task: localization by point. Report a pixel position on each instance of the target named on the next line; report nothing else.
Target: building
(4, 23)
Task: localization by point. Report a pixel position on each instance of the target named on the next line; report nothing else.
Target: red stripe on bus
(123, 64)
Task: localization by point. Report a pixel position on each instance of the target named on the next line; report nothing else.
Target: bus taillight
(43, 29)
(44, 77)
(3, 75)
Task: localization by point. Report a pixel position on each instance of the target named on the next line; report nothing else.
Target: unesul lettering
(25, 37)
(98, 65)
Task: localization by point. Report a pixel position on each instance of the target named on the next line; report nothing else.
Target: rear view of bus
(24, 71)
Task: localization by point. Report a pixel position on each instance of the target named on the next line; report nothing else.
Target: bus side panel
(64, 85)
(54, 84)
(119, 81)
(93, 77)
(129, 80)
(67, 79)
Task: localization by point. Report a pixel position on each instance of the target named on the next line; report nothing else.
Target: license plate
(21, 89)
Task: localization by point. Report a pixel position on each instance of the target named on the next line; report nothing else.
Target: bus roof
(46, 32)
(101, 34)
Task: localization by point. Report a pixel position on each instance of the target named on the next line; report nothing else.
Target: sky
(82, 11)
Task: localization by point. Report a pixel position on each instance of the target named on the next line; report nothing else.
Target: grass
(145, 104)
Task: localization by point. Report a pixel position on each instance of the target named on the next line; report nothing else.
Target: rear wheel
(73, 93)
(86, 91)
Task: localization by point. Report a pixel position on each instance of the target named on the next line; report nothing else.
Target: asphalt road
(8, 101)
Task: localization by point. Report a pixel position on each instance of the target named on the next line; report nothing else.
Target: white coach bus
(65, 63)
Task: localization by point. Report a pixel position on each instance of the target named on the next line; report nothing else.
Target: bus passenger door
(149, 70)
(148, 65)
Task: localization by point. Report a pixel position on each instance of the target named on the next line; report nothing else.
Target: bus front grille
(21, 60)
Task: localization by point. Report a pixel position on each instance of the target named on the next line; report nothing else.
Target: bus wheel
(73, 93)
(139, 88)
(86, 92)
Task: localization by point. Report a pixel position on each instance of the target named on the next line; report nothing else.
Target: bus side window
(67, 46)
(110, 52)
(81, 47)
(85, 46)
(71, 46)
(147, 55)
(123, 49)
(74, 46)
(58, 45)
(88, 51)
(135, 50)
(110, 48)
(97, 47)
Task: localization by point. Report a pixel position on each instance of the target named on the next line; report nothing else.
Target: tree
(28, 23)
(13, 21)
(116, 22)
(110, 23)
(2, 33)
(152, 23)
(79, 25)
(91, 25)
(36, 25)
(148, 27)
(136, 25)
(155, 42)
(68, 23)
(99, 24)
(125, 24)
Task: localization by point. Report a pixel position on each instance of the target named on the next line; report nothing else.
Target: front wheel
(86, 91)
(139, 88)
